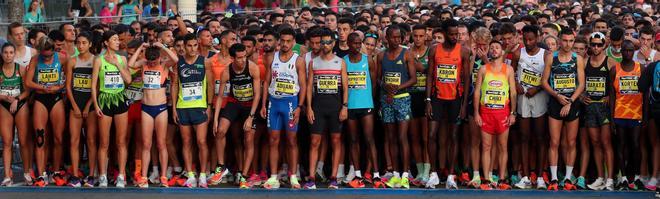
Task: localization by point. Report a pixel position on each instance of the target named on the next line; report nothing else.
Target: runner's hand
(247, 125)
(13, 107)
(310, 115)
(176, 117)
(477, 119)
(99, 113)
(343, 114)
(519, 88)
(215, 126)
(531, 92)
(296, 115)
(586, 100)
(565, 110)
(563, 100)
(85, 112)
(510, 120)
(77, 113)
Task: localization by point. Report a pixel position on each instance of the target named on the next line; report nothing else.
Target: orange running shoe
(59, 179)
(378, 183)
(40, 182)
(569, 186)
(464, 179)
(356, 183)
(553, 186)
(164, 182)
(502, 185)
(545, 177)
(142, 182)
(486, 186)
(368, 177)
(533, 177)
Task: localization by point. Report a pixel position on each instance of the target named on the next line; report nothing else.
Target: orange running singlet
(218, 69)
(628, 98)
(447, 72)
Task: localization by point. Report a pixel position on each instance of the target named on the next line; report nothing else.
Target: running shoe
(369, 178)
(405, 183)
(569, 186)
(41, 182)
(540, 184)
(503, 185)
(394, 182)
(356, 183)
(191, 182)
(524, 183)
(350, 176)
(89, 181)
(310, 185)
(243, 184)
(637, 185)
(624, 185)
(475, 182)
(545, 175)
(581, 184)
(142, 182)
(320, 175)
(263, 177)
(58, 178)
(464, 179)
(164, 182)
(494, 178)
(202, 182)
(451, 182)
(294, 182)
(103, 181)
(533, 177)
(609, 184)
(387, 176)
(597, 185)
(28, 179)
(74, 182)
(121, 182)
(218, 175)
(7, 182)
(652, 184)
(154, 177)
(283, 175)
(272, 183)
(515, 179)
(554, 186)
(239, 175)
(334, 184)
(486, 185)
(254, 180)
(433, 181)
(378, 183)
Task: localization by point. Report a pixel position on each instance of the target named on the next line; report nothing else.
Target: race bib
(327, 84)
(133, 93)
(495, 99)
(82, 82)
(596, 86)
(530, 78)
(113, 80)
(446, 73)
(191, 91)
(421, 82)
(393, 78)
(243, 93)
(564, 83)
(227, 87)
(284, 86)
(216, 87)
(357, 80)
(628, 85)
(11, 91)
(46, 76)
(151, 80)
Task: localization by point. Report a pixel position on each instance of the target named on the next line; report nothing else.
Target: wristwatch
(428, 99)
(514, 113)
(344, 105)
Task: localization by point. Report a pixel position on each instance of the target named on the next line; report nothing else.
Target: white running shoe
(597, 185)
(154, 178)
(121, 182)
(103, 181)
(451, 182)
(191, 182)
(524, 183)
(7, 182)
(350, 176)
(433, 181)
(609, 184)
(540, 183)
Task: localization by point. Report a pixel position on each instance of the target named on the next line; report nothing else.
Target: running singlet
(597, 80)
(420, 86)
(110, 81)
(644, 62)
(478, 63)
(609, 53)
(530, 68)
(628, 98)
(447, 72)
(359, 83)
(242, 90)
(284, 77)
(217, 68)
(11, 86)
(82, 77)
(134, 90)
(327, 77)
(154, 77)
(49, 74)
(192, 84)
(25, 60)
(563, 76)
(395, 71)
(495, 90)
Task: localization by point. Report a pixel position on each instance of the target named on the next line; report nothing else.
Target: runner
(109, 77)
(616, 40)
(79, 93)
(496, 97)
(450, 62)
(481, 39)
(419, 123)
(134, 94)
(397, 69)
(243, 76)
(283, 110)
(650, 82)
(46, 76)
(564, 81)
(192, 85)
(13, 97)
(597, 116)
(327, 90)
(154, 105)
(627, 102)
(532, 104)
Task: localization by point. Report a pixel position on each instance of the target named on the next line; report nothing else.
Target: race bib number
(446, 73)
(151, 80)
(11, 91)
(327, 84)
(48, 76)
(530, 78)
(393, 78)
(113, 80)
(495, 99)
(564, 83)
(82, 82)
(243, 93)
(421, 82)
(596, 86)
(191, 91)
(357, 80)
(628, 85)
(284, 86)
(133, 93)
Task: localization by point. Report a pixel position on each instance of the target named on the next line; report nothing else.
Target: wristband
(428, 99)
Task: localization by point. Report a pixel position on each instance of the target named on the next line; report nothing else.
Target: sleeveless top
(628, 103)
(153, 77)
(192, 84)
(12, 86)
(597, 80)
(478, 63)
(111, 84)
(609, 53)
(530, 68)
(25, 60)
(217, 68)
(134, 90)
(447, 72)
(128, 9)
(241, 90)
(420, 86)
(395, 71)
(49, 74)
(284, 77)
(327, 78)
(359, 83)
(563, 76)
(641, 61)
(82, 77)
(495, 90)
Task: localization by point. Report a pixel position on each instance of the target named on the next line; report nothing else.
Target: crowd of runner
(487, 96)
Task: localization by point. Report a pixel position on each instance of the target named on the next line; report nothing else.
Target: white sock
(475, 173)
(490, 174)
(569, 172)
(273, 176)
(376, 174)
(319, 165)
(396, 174)
(202, 175)
(553, 172)
(178, 169)
(405, 175)
(154, 169)
(340, 170)
(358, 173)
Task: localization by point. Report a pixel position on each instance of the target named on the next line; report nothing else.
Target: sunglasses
(597, 44)
(326, 42)
(375, 36)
